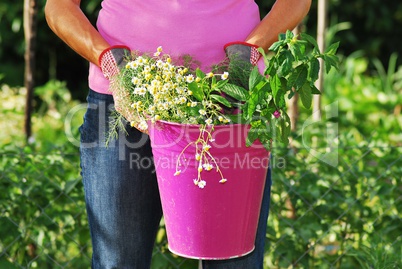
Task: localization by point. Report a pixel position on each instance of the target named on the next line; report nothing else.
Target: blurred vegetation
(374, 27)
(344, 215)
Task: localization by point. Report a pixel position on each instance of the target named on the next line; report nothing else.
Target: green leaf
(309, 39)
(197, 92)
(305, 95)
(296, 51)
(332, 48)
(199, 73)
(256, 97)
(251, 137)
(280, 99)
(314, 90)
(221, 83)
(289, 35)
(255, 78)
(298, 77)
(221, 100)
(237, 92)
(277, 45)
(285, 128)
(314, 69)
(330, 61)
(276, 85)
(285, 61)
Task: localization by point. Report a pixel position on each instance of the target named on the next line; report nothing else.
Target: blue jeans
(122, 197)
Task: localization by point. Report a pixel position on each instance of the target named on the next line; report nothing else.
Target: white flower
(210, 75)
(132, 65)
(225, 75)
(208, 166)
(143, 125)
(140, 60)
(201, 184)
(208, 121)
(135, 80)
(177, 172)
(151, 109)
(206, 147)
(182, 100)
(223, 180)
(197, 156)
(167, 86)
(159, 63)
(202, 112)
(140, 91)
(189, 78)
(147, 69)
(193, 104)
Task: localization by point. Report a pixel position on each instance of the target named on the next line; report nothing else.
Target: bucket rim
(198, 125)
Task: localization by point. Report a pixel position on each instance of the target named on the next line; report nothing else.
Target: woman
(122, 198)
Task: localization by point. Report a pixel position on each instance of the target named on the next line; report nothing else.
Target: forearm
(70, 24)
(284, 15)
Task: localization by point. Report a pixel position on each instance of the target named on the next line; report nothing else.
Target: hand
(242, 58)
(112, 60)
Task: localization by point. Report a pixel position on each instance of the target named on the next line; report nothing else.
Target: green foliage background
(372, 26)
(322, 216)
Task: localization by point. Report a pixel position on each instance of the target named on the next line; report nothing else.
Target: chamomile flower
(132, 65)
(206, 147)
(202, 112)
(223, 180)
(182, 100)
(140, 91)
(207, 166)
(189, 78)
(201, 184)
(208, 121)
(135, 80)
(143, 125)
(177, 172)
(225, 75)
(159, 64)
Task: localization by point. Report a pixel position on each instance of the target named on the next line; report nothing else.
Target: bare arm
(284, 15)
(68, 22)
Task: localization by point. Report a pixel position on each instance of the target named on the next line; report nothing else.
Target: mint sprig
(292, 66)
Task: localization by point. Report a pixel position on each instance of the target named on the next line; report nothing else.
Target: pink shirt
(199, 28)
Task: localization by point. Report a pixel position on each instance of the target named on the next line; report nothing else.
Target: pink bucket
(218, 221)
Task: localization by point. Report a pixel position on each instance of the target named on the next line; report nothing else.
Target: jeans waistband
(95, 97)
